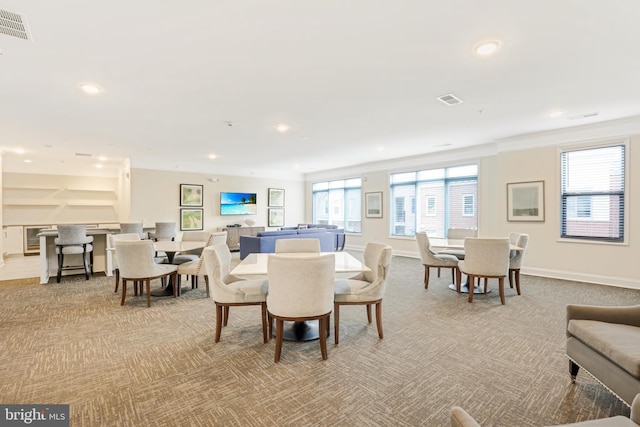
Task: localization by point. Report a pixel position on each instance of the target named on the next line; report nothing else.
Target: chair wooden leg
(486, 281)
(124, 290)
(117, 279)
(438, 271)
(148, 283)
(264, 322)
(226, 315)
(511, 278)
(501, 287)
(176, 289)
(369, 313)
(379, 318)
(322, 330)
(279, 334)
(270, 322)
(218, 322)
(86, 265)
(516, 273)
(336, 322)
(458, 279)
(206, 281)
(472, 280)
(60, 264)
(453, 274)
(426, 277)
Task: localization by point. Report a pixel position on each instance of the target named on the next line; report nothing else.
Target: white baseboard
(621, 282)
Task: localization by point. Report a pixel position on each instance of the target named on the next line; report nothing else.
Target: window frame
(347, 187)
(593, 145)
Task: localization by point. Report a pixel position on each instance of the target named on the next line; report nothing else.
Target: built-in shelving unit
(234, 233)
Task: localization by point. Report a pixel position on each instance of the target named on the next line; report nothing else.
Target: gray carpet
(131, 365)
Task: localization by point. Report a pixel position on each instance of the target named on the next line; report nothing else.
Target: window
(338, 203)
(593, 193)
(434, 200)
(431, 206)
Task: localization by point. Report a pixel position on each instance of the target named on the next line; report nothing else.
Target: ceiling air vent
(584, 116)
(449, 99)
(12, 24)
(84, 155)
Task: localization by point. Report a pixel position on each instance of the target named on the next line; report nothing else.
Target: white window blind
(593, 193)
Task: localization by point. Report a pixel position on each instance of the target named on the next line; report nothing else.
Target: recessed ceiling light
(91, 89)
(487, 48)
(28, 161)
(213, 156)
(19, 151)
(99, 166)
(282, 127)
(555, 114)
(102, 158)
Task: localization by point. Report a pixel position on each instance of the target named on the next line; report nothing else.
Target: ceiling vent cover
(12, 24)
(449, 99)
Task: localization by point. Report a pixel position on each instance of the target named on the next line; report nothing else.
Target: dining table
(440, 243)
(256, 264)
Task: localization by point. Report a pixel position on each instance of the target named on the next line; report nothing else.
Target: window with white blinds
(593, 193)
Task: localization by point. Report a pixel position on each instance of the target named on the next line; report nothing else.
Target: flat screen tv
(238, 204)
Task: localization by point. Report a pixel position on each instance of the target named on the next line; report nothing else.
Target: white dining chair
(297, 245)
(516, 258)
(485, 258)
(438, 260)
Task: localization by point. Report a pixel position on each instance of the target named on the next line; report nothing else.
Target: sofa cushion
(275, 233)
(312, 230)
(619, 343)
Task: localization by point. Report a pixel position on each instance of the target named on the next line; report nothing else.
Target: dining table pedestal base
(464, 289)
(301, 331)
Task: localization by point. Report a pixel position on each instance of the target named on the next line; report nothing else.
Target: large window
(434, 200)
(593, 193)
(338, 203)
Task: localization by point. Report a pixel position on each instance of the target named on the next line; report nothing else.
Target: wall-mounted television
(238, 203)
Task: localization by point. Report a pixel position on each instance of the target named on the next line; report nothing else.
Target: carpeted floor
(73, 343)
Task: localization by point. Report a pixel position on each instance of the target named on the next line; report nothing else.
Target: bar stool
(72, 240)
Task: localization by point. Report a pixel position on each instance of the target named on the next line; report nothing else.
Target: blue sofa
(265, 241)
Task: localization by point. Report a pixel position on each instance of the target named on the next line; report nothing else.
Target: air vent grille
(84, 155)
(584, 116)
(449, 99)
(12, 24)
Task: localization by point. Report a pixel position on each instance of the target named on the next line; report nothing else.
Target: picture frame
(191, 219)
(276, 197)
(191, 195)
(276, 217)
(373, 204)
(525, 201)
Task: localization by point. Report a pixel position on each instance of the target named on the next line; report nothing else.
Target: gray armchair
(605, 342)
(438, 260)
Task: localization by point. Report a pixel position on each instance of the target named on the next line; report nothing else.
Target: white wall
(533, 160)
(155, 196)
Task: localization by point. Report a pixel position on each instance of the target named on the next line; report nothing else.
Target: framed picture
(525, 201)
(276, 197)
(190, 219)
(190, 195)
(373, 204)
(276, 217)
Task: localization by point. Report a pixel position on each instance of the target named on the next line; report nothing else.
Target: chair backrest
(135, 258)
(377, 256)
(517, 257)
(217, 262)
(461, 233)
(424, 248)
(300, 286)
(132, 227)
(218, 237)
(113, 238)
(72, 235)
(488, 257)
(297, 245)
(165, 231)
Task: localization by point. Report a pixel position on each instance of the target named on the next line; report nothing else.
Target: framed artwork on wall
(373, 204)
(190, 195)
(190, 219)
(276, 197)
(276, 217)
(525, 201)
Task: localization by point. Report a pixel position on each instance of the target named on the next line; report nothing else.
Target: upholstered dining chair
(300, 289)
(485, 258)
(194, 254)
(163, 231)
(135, 261)
(228, 292)
(297, 245)
(133, 227)
(516, 258)
(195, 267)
(431, 259)
(73, 240)
(113, 238)
(365, 289)
(458, 234)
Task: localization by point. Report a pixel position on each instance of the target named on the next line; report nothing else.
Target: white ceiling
(357, 81)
